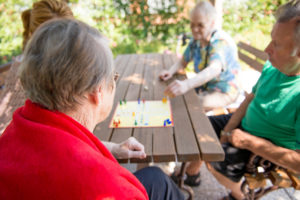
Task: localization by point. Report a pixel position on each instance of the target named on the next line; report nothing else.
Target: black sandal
(229, 197)
(193, 180)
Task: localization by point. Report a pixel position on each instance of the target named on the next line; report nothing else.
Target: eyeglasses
(116, 76)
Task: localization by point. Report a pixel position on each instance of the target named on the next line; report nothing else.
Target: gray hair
(64, 60)
(207, 9)
(286, 13)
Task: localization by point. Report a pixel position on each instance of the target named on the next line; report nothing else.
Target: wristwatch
(226, 133)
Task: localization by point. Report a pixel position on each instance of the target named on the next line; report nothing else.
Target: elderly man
(268, 122)
(215, 61)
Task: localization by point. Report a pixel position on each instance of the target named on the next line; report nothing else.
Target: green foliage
(136, 27)
(250, 21)
(11, 28)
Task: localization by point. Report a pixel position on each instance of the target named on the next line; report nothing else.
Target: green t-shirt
(274, 112)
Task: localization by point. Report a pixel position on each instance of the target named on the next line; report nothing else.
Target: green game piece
(120, 102)
(135, 122)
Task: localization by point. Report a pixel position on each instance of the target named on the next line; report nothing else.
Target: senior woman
(12, 95)
(48, 151)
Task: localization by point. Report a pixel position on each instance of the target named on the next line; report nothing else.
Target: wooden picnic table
(192, 136)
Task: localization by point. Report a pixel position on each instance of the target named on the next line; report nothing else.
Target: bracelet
(226, 133)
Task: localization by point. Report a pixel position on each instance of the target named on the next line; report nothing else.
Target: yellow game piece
(133, 114)
(164, 100)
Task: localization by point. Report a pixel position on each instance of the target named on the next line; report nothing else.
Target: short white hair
(206, 9)
(286, 13)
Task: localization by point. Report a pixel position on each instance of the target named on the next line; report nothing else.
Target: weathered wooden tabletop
(192, 136)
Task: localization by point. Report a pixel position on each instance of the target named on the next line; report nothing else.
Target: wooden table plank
(211, 149)
(145, 135)
(208, 142)
(133, 93)
(124, 68)
(163, 140)
(185, 139)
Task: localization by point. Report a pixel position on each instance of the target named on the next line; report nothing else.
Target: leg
(213, 100)
(141, 165)
(158, 185)
(235, 187)
(230, 171)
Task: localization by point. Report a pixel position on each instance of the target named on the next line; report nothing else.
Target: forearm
(237, 117)
(109, 145)
(207, 74)
(176, 66)
(283, 157)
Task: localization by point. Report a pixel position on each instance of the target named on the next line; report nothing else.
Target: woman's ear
(95, 97)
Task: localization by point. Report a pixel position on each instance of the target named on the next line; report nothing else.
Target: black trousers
(158, 185)
(234, 165)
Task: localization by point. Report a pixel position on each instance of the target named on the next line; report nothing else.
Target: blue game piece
(168, 121)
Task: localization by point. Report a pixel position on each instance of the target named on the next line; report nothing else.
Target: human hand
(241, 139)
(130, 148)
(176, 88)
(165, 75)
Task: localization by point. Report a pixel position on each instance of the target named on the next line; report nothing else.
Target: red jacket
(48, 155)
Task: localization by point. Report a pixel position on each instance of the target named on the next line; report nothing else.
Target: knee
(154, 173)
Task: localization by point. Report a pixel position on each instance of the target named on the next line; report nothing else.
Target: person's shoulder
(268, 67)
(222, 35)
(222, 38)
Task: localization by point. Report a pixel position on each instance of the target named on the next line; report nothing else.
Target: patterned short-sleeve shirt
(222, 48)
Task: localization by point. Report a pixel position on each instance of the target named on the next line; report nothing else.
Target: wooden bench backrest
(5, 67)
(252, 56)
(3, 73)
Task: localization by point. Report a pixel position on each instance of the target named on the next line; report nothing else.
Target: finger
(162, 77)
(176, 91)
(167, 90)
(137, 154)
(170, 93)
(174, 84)
(135, 145)
(173, 87)
(167, 77)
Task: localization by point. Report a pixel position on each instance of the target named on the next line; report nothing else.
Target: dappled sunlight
(152, 62)
(135, 78)
(5, 101)
(205, 137)
(6, 109)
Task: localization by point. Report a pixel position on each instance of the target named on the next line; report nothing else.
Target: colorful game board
(142, 114)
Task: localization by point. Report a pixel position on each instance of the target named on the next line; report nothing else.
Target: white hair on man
(287, 12)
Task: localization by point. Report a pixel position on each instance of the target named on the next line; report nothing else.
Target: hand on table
(165, 75)
(177, 88)
(130, 148)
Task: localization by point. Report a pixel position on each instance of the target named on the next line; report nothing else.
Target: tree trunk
(219, 7)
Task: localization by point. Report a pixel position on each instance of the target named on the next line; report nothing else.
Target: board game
(141, 113)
